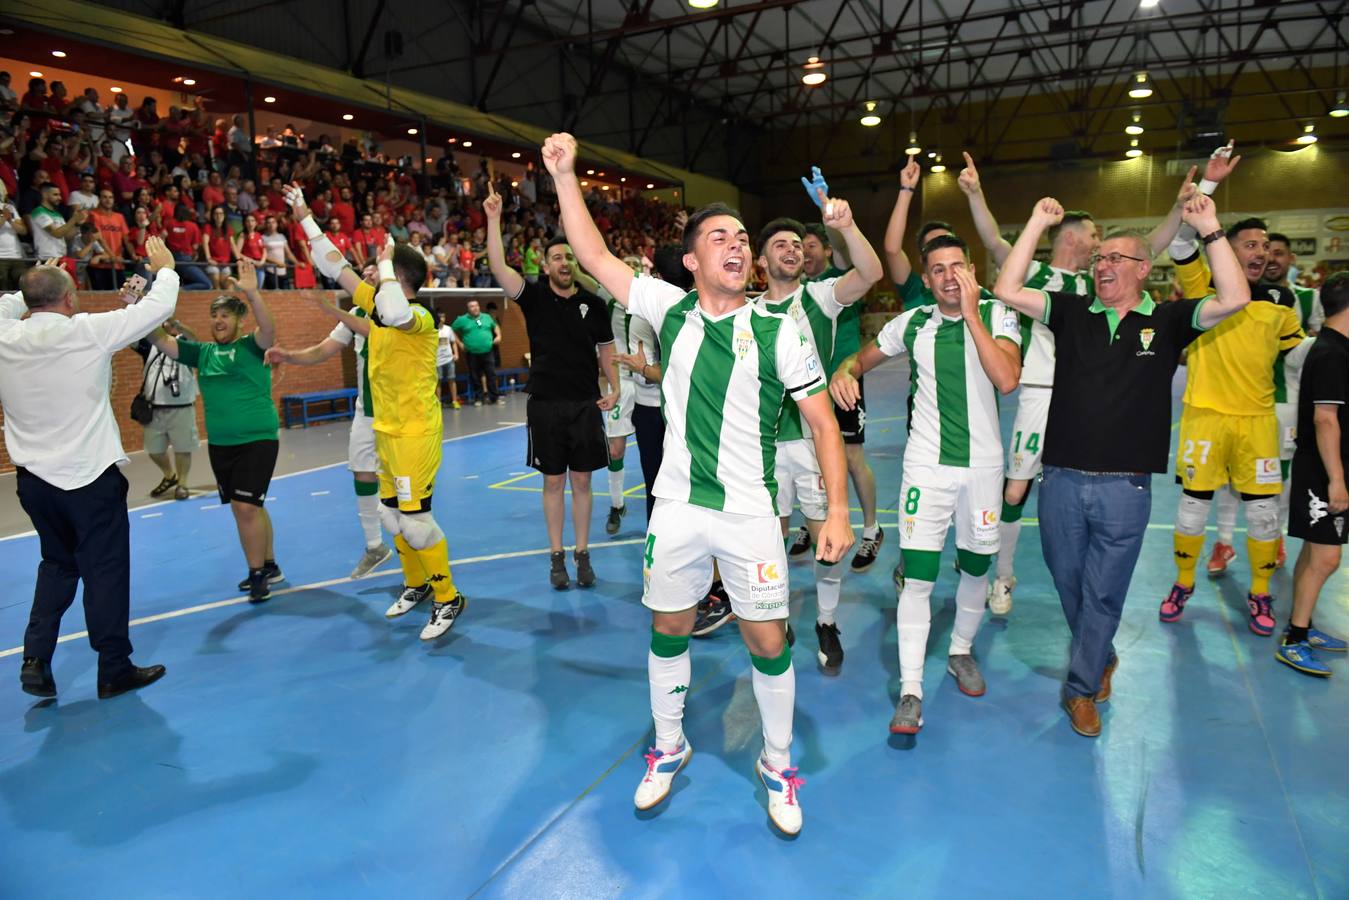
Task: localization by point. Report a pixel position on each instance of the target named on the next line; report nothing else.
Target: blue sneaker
(1301, 657)
(661, 768)
(1319, 640)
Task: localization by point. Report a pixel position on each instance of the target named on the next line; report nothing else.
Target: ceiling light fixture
(914, 148)
(1308, 135)
(347, 117)
(1135, 125)
(115, 89)
(814, 72)
(189, 81)
(515, 155)
(412, 131)
(1133, 152)
(467, 144)
(1148, 4)
(59, 54)
(1341, 108)
(268, 99)
(870, 119)
(703, 4)
(1141, 88)
(937, 165)
(650, 187)
(34, 74)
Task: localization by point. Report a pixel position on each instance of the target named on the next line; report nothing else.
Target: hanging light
(347, 117)
(1135, 125)
(467, 144)
(937, 164)
(1148, 4)
(1141, 88)
(412, 131)
(1308, 135)
(703, 4)
(1341, 108)
(1133, 152)
(814, 72)
(59, 54)
(268, 99)
(189, 81)
(870, 119)
(914, 148)
(515, 154)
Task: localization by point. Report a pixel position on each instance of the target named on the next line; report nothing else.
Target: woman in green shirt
(241, 420)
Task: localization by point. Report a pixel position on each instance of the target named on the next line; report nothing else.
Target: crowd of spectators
(89, 183)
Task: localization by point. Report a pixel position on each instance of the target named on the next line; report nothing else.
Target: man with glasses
(1109, 426)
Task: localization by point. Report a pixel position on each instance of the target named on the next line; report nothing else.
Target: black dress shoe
(36, 677)
(133, 678)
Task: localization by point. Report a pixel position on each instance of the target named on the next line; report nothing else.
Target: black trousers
(479, 365)
(84, 534)
(649, 424)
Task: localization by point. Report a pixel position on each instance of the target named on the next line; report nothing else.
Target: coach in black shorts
(1319, 500)
(571, 343)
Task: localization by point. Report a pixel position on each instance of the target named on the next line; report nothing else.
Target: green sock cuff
(824, 562)
(921, 565)
(975, 564)
(1286, 467)
(367, 488)
(667, 646)
(616, 465)
(776, 666)
(1012, 513)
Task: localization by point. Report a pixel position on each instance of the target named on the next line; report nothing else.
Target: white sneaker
(661, 768)
(373, 558)
(408, 600)
(784, 800)
(443, 616)
(1000, 595)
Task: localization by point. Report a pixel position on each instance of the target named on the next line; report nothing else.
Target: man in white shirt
(12, 226)
(55, 374)
(445, 353)
(87, 195)
(50, 228)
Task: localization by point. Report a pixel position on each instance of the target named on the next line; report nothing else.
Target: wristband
(311, 228)
(906, 188)
(386, 272)
(1207, 187)
(1213, 236)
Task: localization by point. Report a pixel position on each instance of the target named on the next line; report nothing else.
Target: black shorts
(243, 471)
(1308, 515)
(565, 435)
(853, 422)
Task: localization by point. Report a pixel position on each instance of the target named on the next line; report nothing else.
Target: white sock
(776, 696)
(1008, 534)
(970, 597)
(828, 585)
(870, 531)
(616, 487)
(1227, 502)
(1285, 495)
(367, 510)
(913, 619)
(669, 677)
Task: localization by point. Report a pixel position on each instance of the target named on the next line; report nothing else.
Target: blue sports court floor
(311, 748)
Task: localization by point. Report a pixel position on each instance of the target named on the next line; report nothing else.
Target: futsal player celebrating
(729, 367)
(817, 308)
(401, 340)
(963, 352)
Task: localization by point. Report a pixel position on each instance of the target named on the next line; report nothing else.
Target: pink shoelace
(793, 784)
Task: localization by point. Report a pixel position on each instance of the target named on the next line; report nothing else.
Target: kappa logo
(678, 689)
(1316, 508)
(1339, 526)
(768, 573)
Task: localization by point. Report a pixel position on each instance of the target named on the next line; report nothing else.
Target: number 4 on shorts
(648, 556)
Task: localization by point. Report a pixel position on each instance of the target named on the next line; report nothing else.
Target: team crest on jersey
(584, 307)
(908, 526)
(1145, 337)
(743, 341)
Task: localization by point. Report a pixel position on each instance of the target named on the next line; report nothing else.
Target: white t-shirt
(81, 200)
(944, 369)
(10, 248)
(724, 385)
(445, 348)
(274, 247)
(46, 245)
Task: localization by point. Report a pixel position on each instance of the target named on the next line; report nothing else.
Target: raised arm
(866, 269)
(310, 356)
(327, 258)
(247, 282)
(893, 245)
(559, 157)
(510, 280)
(1161, 236)
(1233, 292)
(1008, 287)
(120, 327)
(984, 223)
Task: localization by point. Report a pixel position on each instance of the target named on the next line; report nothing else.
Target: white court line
(461, 437)
(319, 493)
(152, 515)
(236, 601)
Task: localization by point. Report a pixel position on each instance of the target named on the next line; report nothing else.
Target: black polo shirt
(1325, 379)
(563, 332)
(1111, 407)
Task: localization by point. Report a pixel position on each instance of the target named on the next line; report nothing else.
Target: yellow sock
(1263, 555)
(1187, 550)
(414, 576)
(436, 561)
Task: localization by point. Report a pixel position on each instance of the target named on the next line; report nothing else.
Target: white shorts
(799, 480)
(931, 498)
(361, 456)
(618, 421)
(682, 540)
(1286, 413)
(1027, 446)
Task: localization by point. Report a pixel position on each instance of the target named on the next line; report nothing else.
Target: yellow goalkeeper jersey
(1231, 366)
(402, 374)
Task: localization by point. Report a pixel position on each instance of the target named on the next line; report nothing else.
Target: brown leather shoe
(1082, 715)
(1104, 693)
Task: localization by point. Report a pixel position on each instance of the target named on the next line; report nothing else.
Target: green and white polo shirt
(629, 330)
(814, 309)
(345, 336)
(725, 381)
(1307, 301)
(953, 406)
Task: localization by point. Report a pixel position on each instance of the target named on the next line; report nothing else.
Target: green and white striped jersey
(953, 406)
(724, 385)
(629, 330)
(345, 336)
(815, 311)
(1044, 277)
(1288, 371)
(1307, 301)
(1037, 341)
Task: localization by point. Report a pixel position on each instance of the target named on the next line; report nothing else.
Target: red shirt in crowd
(476, 219)
(54, 169)
(252, 247)
(183, 237)
(346, 214)
(218, 243)
(342, 242)
(212, 196)
(137, 237)
(112, 231)
(7, 176)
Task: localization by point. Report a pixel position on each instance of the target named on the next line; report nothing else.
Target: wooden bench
(341, 404)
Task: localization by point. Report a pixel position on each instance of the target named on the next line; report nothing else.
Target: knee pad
(388, 517)
(1262, 519)
(420, 530)
(975, 564)
(1192, 515)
